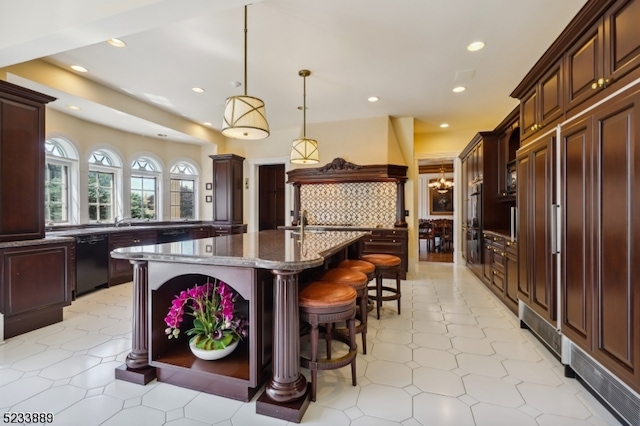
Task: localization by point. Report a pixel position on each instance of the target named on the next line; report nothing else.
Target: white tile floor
(455, 356)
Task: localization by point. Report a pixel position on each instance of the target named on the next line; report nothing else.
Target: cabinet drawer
(377, 246)
(393, 234)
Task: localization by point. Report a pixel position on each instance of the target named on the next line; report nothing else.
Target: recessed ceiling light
(236, 83)
(373, 99)
(207, 123)
(73, 107)
(116, 42)
(79, 68)
(475, 46)
(459, 89)
(198, 89)
(162, 135)
(444, 125)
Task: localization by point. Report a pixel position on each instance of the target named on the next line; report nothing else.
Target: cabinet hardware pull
(601, 83)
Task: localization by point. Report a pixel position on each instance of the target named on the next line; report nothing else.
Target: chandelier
(442, 185)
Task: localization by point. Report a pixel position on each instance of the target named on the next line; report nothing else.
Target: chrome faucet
(122, 220)
(303, 219)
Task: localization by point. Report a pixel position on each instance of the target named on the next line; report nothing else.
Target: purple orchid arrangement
(212, 305)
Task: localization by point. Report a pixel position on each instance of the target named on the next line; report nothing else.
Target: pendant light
(304, 151)
(245, 116)
(442, 185)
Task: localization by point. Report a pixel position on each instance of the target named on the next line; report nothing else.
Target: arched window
(145, 187)
(104, 173)
(60, 165)
(183, 191)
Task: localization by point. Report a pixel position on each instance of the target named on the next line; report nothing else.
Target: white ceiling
(410, 53)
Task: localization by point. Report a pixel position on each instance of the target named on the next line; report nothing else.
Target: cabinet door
(622, 48)
(522, 223)
(541, 196)
(35, 278)
(21, 170)
(584, 66)
(511, 276)
(550, 97)
(487, 261)
(577, 225)
(616, 205)
(528, 113)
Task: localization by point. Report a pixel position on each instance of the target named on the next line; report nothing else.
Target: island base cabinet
(239, 375)
(37, 283)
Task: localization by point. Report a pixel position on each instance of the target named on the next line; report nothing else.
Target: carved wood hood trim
(340, 170)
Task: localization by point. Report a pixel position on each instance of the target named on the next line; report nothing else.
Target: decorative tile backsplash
(367, 204)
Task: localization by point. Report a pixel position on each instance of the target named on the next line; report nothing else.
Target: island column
(286, 393)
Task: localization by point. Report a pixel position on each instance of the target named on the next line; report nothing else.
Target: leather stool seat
(358, 281)
(324, 302)
(385, 264)
(363, 266)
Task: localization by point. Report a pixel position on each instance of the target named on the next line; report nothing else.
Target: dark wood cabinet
(499, 268)
(121, 270)
(543, 104)
(388, 241)
(37, 282)
(227, 189)
(200, 232)
(22, 161)
(508, 141)
(601, 223)
(535, 216)
(609, 50)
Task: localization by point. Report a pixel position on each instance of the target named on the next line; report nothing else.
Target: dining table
(282, 254)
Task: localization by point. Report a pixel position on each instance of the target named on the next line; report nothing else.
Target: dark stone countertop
(94, 229)
(272, 249)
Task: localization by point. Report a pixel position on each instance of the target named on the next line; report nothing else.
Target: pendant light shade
(245, 116)
(304, 151)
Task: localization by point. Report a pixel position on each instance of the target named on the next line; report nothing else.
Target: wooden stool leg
(378, 292)
(398, 286)
(314, 358)
(327, 338)
(352, 335)
(363, 321)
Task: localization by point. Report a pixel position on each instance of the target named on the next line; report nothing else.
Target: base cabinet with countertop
(388, 241)
(37, 282)
(499, 268)
(121, 271)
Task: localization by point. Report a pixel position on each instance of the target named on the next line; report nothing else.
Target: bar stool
(323, 302)
(384, 263)
(358, 281)
(363, 266)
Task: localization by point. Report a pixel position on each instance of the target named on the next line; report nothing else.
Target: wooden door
(271, 194)
(577, 225)
(522, 223)
(622, 47)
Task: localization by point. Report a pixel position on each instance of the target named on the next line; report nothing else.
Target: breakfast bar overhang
(250, 263)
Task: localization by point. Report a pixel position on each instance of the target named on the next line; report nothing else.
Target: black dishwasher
(173, 235)
(92, 262)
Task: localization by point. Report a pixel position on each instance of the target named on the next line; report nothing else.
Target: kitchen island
(264, 269)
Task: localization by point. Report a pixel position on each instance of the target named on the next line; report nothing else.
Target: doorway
(271, 196)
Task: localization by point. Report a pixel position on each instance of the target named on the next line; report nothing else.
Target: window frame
(194, 177)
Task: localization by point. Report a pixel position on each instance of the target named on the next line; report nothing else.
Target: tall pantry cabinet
(37, 275)
(600, 163)
(587, 292)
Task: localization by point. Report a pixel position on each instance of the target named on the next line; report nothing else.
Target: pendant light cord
(304, 106)
(245, 50)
